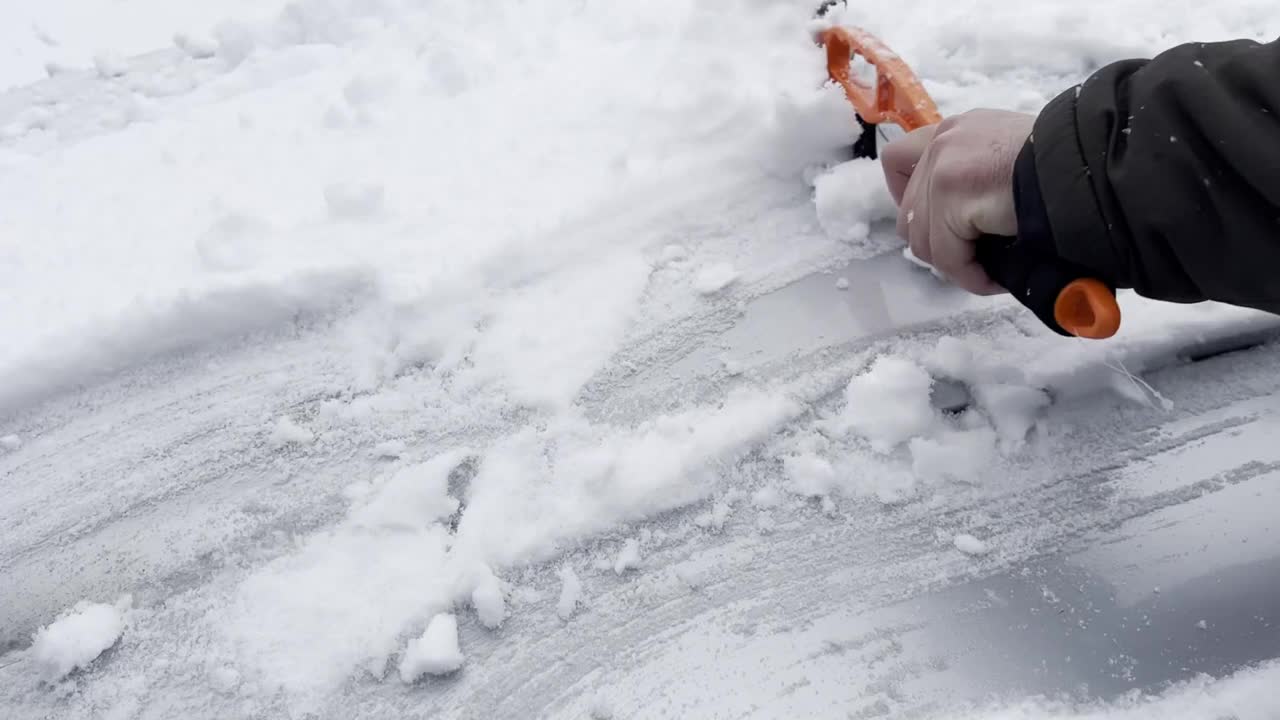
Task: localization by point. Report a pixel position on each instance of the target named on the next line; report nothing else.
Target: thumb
(900, 157)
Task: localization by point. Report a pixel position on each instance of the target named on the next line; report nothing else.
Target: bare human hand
(953, 182)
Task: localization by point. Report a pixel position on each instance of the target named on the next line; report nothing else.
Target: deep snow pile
(490, 214)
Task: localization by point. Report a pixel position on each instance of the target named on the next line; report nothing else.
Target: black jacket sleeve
(1164, 175)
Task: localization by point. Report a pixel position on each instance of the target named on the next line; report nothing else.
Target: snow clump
(435, 652)
(77, 638)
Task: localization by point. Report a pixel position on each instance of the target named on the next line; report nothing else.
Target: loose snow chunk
(10, 442)
(849, 198)
(628, 558)
(1013, 409)
(673, 253)
(76, 638)
(732, 367)
(233, 243)
(842, 283)
(715, 518)
(54, 68)
(766, 498)
(487, 598)
(288, 432)
(435, 653)
(810, 475)
(415, 496)
(353, 200)
(970, 545)
(224, 678)
(235, 43)
(570, 593)
(714, 278)
(765, 523)
(889, 403)
(600, 710)
(195, 47)
(110, 65)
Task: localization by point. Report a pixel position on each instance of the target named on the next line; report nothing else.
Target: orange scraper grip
(1060, 293)
(1087, 308)
(1064, 296)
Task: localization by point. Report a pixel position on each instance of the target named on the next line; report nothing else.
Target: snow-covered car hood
(548, 360)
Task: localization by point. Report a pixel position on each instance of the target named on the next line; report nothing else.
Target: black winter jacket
(1164, 175)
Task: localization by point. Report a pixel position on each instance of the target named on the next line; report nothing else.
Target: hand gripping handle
(1061, 294)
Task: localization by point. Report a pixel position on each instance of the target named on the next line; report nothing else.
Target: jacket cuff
(1034, 231)
(1077, 228)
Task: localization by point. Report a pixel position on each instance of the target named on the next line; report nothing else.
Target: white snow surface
(329, 319)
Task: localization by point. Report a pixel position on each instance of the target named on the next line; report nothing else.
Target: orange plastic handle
(1087, 308)
(897, 97)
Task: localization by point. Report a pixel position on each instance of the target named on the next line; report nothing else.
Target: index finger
(900, 157)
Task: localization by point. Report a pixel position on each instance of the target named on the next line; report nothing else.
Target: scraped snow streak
(364, 340)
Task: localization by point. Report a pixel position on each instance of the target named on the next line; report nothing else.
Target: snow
(77, 637)
(570, 593)
(848, 199)
(970, 545)
(196, 46)
(435, 652)
(810, 474)
(110, 65)
(960, 456)
(325, 322)
(235, 42)
(714, 278)
(628, 557)
(234, 242)
(286, 431)
(540, 487)
(1247, 694)
(390, 449)
(488, 600)
(888, 404)
(673, 253)
(715, 518)
(765, 498)
(69, 33)
(412, 496)
(351, 201)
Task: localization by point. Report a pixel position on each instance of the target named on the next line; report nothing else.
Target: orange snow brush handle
(1063, 296)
